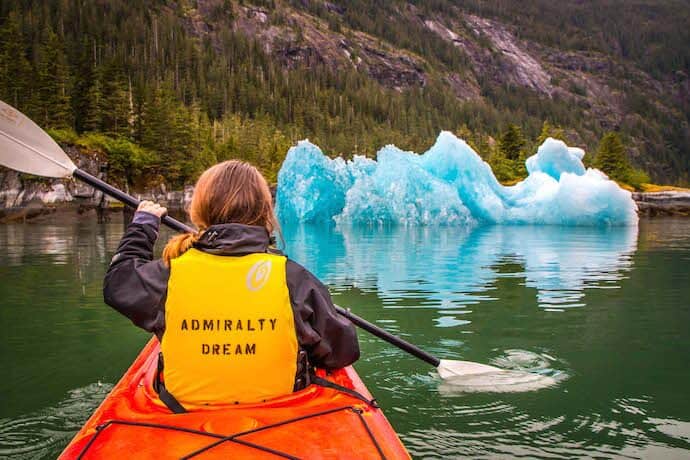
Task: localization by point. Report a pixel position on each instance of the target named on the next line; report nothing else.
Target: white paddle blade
(449, 368)
(497, 382)
(468, 377)
(25, 147)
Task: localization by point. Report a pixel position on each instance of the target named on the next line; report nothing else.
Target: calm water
(606, 312)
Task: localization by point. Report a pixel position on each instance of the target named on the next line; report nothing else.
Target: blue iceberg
(448, 185)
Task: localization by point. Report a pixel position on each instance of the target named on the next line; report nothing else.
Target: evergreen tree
(15, 70)
(611, 157)
(86, 91)
(116, 114)
(92, 113)
(225, 96)
(53, 83)
(464, 133)
(512, 143)
(548, 130)
(502, 168)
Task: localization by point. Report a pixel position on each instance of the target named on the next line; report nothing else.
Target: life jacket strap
(304, 371)
(164, 395)
(316, 380)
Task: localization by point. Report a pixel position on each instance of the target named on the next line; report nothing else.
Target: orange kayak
(315, 423)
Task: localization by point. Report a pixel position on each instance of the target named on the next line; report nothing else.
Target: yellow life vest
(229, 329)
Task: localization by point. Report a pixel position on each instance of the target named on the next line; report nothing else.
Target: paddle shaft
(129, 200)
(180, 227)
(390, 338)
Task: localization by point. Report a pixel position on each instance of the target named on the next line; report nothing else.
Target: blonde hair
(231, 191)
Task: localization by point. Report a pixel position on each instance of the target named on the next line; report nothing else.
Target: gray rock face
(517, 65)
(23, 196)
(663, 203)
(299, 39)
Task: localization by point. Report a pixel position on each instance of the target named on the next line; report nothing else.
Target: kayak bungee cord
(354, 409)
(100, 428)
(234, 437)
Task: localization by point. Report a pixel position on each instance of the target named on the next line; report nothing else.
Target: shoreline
(649, 204)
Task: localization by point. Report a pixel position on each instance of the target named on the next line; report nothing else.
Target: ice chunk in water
(401, 190)
(448, 185)
(554, 158)
(312, 187)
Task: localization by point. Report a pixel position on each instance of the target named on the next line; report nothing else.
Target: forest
(131, 81)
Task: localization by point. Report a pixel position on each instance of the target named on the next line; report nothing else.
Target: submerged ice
(448, 185)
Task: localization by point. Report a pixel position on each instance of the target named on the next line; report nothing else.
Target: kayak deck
(315, 423)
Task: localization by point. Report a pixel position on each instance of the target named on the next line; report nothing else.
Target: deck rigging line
(234, 437)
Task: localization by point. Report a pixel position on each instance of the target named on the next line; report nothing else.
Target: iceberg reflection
(452, 267)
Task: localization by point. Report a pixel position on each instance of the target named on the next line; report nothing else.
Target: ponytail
(178, 245)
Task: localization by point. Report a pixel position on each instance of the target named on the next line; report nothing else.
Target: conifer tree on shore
(610, 157)
(53, 95)
(512, 143)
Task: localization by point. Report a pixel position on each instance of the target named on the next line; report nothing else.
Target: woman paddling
(237, 321)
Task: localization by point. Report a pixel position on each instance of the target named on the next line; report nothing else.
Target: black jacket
(136, 286)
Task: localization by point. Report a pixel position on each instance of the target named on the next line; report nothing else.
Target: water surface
(606, 311)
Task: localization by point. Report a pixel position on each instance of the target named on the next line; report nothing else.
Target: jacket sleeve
(135, 284)
(329, 339)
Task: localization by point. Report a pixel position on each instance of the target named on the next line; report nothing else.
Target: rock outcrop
(663, 204)
(296, 39)
(23, 197)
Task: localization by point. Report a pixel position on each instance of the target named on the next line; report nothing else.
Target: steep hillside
(193, 82)
(589, 66)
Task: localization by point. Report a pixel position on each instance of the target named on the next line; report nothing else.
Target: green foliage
(637, 178)
(63, 135)
(377, 17)
(503, 168)
(134, 74)
(612, 160)
(113, 106)
(127, 161)
(94, 106)
(52, 85)
(257, 141)
(548, 130)
(653, 34)
(512, 143)
(17, 75)
(610, 157)
(511, 154)
(473, 139)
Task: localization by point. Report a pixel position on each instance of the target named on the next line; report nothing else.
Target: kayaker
(238, 321)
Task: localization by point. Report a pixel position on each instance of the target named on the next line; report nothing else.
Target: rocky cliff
(663, 204)
(23, 196)
(606, 91)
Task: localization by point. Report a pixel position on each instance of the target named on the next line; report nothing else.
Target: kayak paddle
(25, 147)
